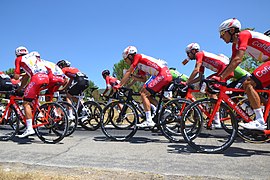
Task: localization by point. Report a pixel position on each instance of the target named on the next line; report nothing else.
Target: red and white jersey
(111, 81)
(148, 64)
(56, 70)
(30, 64)
(211, 61)
(257, 45)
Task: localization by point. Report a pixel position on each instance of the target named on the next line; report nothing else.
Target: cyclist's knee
(249, 84)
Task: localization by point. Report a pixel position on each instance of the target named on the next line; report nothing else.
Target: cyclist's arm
(127, 75)
(24, 81)
(236, 60)
(105, 91)
(196, 70)
(67, 83)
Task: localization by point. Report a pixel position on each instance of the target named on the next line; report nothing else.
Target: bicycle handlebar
(210, 88)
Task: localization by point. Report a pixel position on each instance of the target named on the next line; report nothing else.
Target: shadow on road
(231, 152)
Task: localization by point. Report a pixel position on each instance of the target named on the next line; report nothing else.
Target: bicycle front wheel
(10, 125)
(169, 119)
(51, 122)
(119, 121)
(203, 137)
(72, 118)
(90, 115)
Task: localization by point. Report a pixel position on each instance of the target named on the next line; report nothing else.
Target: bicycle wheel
(201, 137)
(254, 136)
(119, 121)
(51, 122)
(169, 118)
(72, 119)
(90, 115)
(10, 125)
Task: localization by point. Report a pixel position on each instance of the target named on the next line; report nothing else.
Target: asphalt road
(146, 152)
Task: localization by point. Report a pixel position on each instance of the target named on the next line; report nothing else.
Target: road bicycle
(120, 117)
(197, 120)
(89, 112)
(50, 120)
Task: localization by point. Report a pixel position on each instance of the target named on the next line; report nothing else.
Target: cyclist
(151, 66)
(75, 83)
(257, 45)
(110, 82)
(38, 75)
(56, 75)
(216, 63)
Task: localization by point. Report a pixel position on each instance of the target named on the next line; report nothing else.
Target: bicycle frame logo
(236, 108)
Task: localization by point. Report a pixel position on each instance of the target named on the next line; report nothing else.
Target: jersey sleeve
(243, 39)
(17, 65)
(136, 60)
(199, 59)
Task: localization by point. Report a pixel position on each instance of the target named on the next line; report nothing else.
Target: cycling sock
(259, 115)
(216, 118)
(29, 123)
(70, 112)
(148, 116)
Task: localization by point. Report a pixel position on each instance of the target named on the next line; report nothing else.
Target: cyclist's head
(20, 51)
(105, 73)
(192, 49)
(172, 68)
(129, 53)
(63, 63)
(231, 26)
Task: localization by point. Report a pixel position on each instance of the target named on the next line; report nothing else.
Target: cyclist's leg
(152, 87)
(31, 92)
(256, 81)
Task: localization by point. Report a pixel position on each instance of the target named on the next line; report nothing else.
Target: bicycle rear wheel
(199, 135)
(169, 119)
(51, 122)
(10, 125)
(119, 121)
(90, 115)
(72, 119)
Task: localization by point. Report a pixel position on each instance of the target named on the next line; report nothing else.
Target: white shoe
(71, 117)
(84, 119)
(253, 125)
(146, 124)
(166, 114)
(216, 125)
(27, 132)
(40, 115)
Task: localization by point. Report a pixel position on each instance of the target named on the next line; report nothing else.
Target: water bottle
(203, 87)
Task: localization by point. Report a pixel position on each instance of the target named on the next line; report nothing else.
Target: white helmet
(21, 51)
(192, 46)
(229, 23)
(129, 50)
(35, 53)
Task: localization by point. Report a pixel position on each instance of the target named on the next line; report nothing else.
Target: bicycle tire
(72, 123)
(90, 115)
(119, 125)
(170, 124)
(253, 136)
(10, 126)
(203, 138)
(51, 122)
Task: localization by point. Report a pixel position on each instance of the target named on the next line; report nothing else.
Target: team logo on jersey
(261, 45)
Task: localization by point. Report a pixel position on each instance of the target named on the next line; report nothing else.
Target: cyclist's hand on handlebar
(217, 78)
(116, 87)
